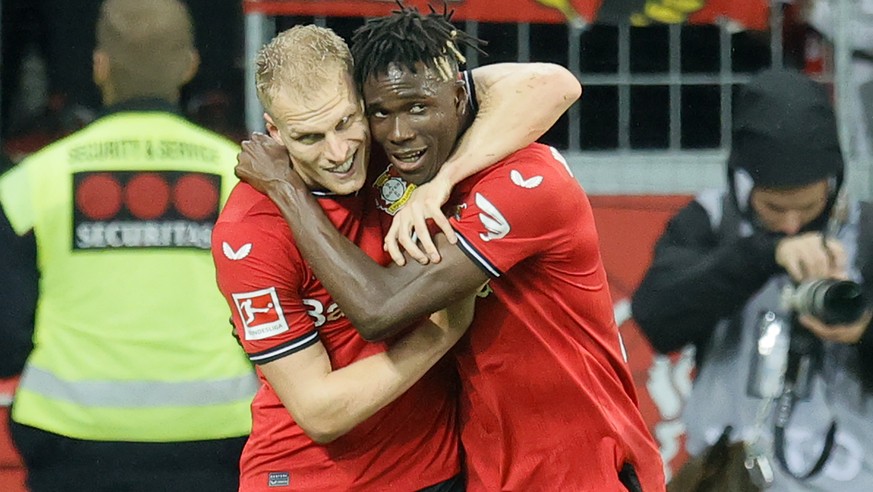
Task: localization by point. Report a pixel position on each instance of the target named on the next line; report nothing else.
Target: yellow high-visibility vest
(131, 340)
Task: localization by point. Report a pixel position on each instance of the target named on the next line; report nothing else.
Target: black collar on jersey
(467, 76)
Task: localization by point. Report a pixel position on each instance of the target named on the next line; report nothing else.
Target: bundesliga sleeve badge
(260, 313)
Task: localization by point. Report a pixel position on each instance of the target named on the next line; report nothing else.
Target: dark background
(47, 90)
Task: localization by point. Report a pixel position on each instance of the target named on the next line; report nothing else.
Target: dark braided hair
(407, 37)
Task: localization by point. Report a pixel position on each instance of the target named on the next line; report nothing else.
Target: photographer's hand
(846, 334)
(807, 256)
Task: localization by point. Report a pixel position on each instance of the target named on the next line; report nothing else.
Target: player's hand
(806, 256)
(846, 334)
(263, 161)
(410, 225)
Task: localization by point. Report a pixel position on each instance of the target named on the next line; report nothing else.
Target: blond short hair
(150, 46)
(300, 60)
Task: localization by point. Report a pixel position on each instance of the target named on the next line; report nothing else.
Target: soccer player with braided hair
(407, 37)
(547, 399)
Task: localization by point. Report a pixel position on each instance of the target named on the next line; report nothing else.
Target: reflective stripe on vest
(139, 394)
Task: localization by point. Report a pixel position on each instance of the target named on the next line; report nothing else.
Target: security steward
(133, 381)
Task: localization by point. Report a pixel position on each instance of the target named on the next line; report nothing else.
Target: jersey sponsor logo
(236, 255)
(493, 221)
(529, 183)
(394, 192)
(260, 313)
(144, 209)
(321, 314)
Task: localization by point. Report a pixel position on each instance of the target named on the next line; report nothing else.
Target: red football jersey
(278, 308)
(548, 402)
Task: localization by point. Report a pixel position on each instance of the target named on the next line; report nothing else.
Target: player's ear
(272, 129)
(461, 97)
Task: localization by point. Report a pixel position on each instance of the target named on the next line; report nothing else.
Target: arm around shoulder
(518, 103)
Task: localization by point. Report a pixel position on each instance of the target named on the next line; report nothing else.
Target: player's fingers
(435, 212)
(423, 234)
(243, 163)
(409, 243)
(396, 253)
(391, 246)
(443, 223)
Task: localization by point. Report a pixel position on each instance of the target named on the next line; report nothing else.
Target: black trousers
(60, 464)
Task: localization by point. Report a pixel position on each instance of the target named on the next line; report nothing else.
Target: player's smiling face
(326, 136)
(417, 118)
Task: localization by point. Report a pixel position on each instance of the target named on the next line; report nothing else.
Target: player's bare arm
(518, 102)
(328, 403)
(378, 300)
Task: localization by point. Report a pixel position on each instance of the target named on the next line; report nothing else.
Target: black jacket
(696, 279)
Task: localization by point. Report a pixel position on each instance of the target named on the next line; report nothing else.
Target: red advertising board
(750, 14)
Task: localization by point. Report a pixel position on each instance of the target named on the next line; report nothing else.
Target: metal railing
(636, 156)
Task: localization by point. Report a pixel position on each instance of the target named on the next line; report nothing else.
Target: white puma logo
(518, 179)
(238, 254)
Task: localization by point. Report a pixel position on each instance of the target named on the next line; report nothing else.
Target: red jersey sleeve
(517, 209)
(260, 274)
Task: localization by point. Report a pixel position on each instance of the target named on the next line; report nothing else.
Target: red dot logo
(195, 196)
(147, 196)
(99, 196)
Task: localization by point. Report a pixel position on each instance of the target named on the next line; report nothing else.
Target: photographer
(719, 279)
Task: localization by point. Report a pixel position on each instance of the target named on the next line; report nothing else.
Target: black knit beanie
(785, 132)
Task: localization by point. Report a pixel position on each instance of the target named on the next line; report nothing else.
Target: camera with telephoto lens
(834, 302)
